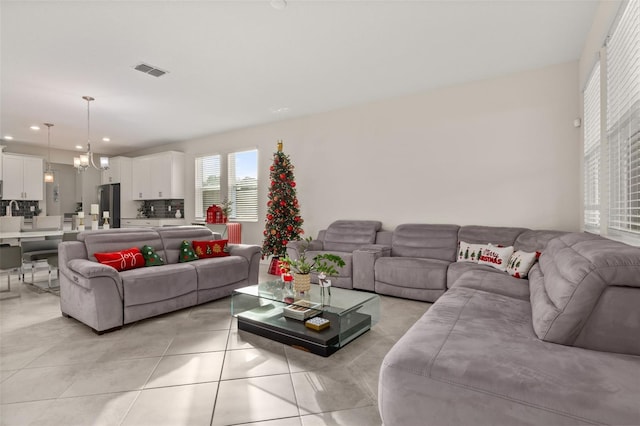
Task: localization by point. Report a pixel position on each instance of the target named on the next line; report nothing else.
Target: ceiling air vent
(148, 69)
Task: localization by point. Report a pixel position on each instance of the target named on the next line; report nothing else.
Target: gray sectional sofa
(559, 348)
(105, 299)
(562, 348)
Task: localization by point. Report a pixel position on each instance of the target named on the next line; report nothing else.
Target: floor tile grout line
(224, 357)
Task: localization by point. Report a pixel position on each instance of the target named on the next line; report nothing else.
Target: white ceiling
(235, 64)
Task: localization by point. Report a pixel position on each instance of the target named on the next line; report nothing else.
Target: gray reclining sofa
(342, 238)
(105, 299)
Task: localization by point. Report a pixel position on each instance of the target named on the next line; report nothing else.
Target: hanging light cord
(49, 125)
(89, 152)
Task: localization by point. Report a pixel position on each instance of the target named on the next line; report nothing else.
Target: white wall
(497, 152)
(600, 28)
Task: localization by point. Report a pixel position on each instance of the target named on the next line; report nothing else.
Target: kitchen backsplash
(23, 208)
(160, 208)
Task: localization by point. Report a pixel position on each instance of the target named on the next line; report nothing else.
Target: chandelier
(48, 174)
(83, 162)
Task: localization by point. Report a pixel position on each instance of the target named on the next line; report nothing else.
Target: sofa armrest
(86, 273)
(91, 293)
(294, 248)
(364, 260)
(89, 269)
(253, 254)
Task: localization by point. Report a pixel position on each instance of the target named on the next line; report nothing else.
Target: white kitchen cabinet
(120, 171)
(140, 178)
(22, 177)
(158, 176)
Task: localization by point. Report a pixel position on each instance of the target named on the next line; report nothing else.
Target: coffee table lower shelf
(294, 333)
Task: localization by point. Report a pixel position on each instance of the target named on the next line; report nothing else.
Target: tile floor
(191, 367)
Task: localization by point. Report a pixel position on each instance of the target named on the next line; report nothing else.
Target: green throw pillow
(151, 258)
(186, 252)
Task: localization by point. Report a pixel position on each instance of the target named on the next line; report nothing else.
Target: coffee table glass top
(338, 301)
(270, 309)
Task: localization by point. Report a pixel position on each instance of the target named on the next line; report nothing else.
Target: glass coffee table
(269, 309)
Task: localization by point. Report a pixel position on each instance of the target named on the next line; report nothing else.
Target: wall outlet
(32, 208)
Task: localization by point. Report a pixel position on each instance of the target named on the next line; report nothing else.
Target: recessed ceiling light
(78, 146)
(35, 127)
(280, 110)
(8, 137)
(278, 4)
(106, 139)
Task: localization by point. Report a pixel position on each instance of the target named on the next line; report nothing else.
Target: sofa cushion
(520, 263)
(426, 241)
(457, 269)
(535, 240)
(220, 271)
(122, 260)
(164, 282)
(574, 272)
(497, 257)
(111, 240)
(187, 254)
(473, 359)
(211, 248)
(151, 258)
(412, 272)
(172, 237)
(491, 282)
(496, 235)
(469, 252)
(350, 235)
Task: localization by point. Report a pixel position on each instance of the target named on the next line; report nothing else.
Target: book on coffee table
(301, 310)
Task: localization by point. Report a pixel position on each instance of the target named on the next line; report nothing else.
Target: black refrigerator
(109, 201)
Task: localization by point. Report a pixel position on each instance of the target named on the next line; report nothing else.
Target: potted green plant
(225, 206)
(324, 264)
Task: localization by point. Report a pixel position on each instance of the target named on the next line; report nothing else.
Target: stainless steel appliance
(109, 201)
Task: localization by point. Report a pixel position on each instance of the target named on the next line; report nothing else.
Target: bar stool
(10, 259)
(36, 251)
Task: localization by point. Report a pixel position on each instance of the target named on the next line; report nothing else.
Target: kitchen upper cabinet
(119, 170)
(22, 177)
(158, 176)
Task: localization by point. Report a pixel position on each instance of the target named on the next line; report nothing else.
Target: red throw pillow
(213, 248)
(122, 260)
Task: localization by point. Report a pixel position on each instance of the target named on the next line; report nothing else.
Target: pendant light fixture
(48, 174)
(85, 160)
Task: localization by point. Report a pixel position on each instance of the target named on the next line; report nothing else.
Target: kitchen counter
(21, 235)
(150, 222)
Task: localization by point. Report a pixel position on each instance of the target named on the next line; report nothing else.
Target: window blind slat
(592, 151)
(207, 184)
(623, 121)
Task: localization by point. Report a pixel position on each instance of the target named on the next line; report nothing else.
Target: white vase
(178, 214)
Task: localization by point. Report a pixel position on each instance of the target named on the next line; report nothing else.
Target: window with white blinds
(207, 184)
(623, 121)
(591, 126)
(243, 185)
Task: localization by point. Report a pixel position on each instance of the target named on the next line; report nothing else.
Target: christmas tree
(283, 222)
